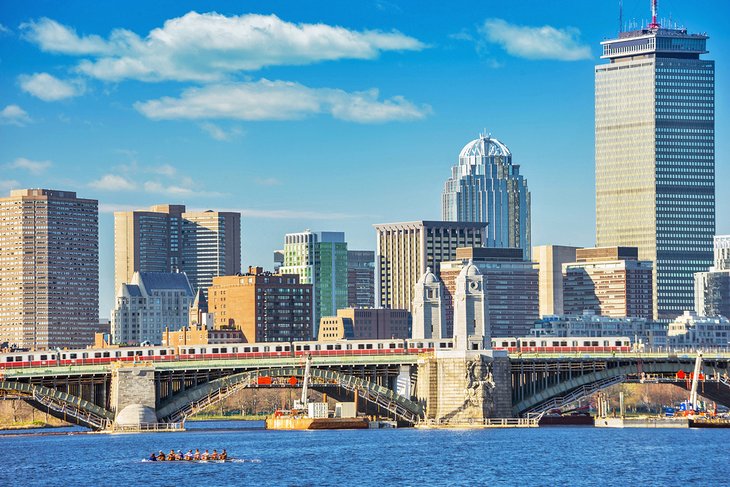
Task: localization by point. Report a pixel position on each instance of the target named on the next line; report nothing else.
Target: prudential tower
(655, 155)
(486, 187)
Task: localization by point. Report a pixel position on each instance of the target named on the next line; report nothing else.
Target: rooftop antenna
(620, 16)
(654, 24)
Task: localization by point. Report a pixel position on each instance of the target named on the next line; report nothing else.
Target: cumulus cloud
(14, 115)
(167, 181)
(209, 46)
(544, 42)
(279, 100)
(33, 167)
(48, 87)
(219, 133)
(113, 182)
(4, 30)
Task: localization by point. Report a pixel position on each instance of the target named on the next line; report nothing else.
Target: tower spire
(654, 24)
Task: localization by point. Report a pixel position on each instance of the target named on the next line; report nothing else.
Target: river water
(539, 456)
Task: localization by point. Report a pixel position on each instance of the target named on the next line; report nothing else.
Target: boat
(307, 415)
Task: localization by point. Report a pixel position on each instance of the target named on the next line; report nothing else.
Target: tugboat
(307, 415)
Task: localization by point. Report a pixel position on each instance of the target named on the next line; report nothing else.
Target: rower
(161, 456)
(189, 455)
(197, 455)
(223, 455)
(153, 457)
(171, 456)
(205, 455)
(214, 456)
(179, 455)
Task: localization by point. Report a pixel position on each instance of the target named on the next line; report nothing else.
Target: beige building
(267, 307)
(333, 328)
(609, 281)
(49, 269)
(200, 335)
(405, 250)
(167, 238)
(549, 259)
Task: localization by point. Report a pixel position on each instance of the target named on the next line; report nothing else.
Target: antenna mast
(620, 16)
(654, 24)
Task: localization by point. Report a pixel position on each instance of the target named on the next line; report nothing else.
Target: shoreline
(32, 426)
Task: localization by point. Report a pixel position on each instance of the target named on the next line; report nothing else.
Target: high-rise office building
(549, 259)
(486, 187)
(405, 250)
(609, 281)
(167, 238)
(360, 278)
(655, 156)
(49, 269)
(266, 307)
(510, 288)
(319, 259)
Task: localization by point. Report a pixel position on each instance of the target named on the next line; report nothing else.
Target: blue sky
(320, 115)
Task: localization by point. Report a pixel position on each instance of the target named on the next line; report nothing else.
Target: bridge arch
(61, 404)
(194, 400)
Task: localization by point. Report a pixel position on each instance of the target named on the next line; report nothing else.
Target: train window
(391, 345)
(533, 344)
(349, 346)
(138, 353)
(84, 355)
(163, 352)
(287, 348)
(451, 344)
(278, 348)
(306, 347)
(150, 353)
(116, 354)
(594, 344)
(318, 347)
(267, 349)
(224, 350)
(338, 347)
(618, 343)
(44, 357)
(380, 346)
(574, 343)
(328, 347)
(369, 346)
(543, 343)
(72, 356)
(9, 359)
(105, 354)
(215, 350)
(360, 346)
(97, 354)
(246, 349)
(586, 344)
(430, 344)
(234, 350)
(564, 344)
(605, 343)
(202, 350)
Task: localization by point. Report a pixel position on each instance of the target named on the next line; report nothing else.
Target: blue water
(542, 456)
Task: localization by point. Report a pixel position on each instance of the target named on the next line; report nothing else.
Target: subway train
(157, 353)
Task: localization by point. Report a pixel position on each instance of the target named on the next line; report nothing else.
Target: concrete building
(609, 281)
(49, 269)
(693, 331)
(471, 311)
(712, 288)
(405, 250)
(377, 323)
(655, 156)
(641, 331)
(430, 320)
(360, 278)
(510, 282)
(332, 328)
(486, 187)
(319, 259)
(148, 305)
(167, 238)
(267, 307)
(201, 335)
(549, 260)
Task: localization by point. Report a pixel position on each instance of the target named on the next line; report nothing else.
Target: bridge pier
(133, 396)
(465, 387)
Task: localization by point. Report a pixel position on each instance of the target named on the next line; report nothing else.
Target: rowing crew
(189, 456)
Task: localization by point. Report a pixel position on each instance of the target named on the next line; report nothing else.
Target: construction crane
(695, 380)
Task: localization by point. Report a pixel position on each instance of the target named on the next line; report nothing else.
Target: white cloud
(50, 88)
(544, 42)
(33, 167)
(165, 170)
(279, 100)
(14, 115)
(113, 182)
(267, 181)
(8, 184)
(4, 30)
(219, 133)
(209, 46)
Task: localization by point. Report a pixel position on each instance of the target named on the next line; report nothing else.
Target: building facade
(472, 330)
(266, 307)
(510, 284)
(405, 250)
(485, 186)
(610, 281)
(549, 260)
(712, 288)
(693, 331)
(148, 305)
(655, 156)
(319, 259)
(167, 238)
(360, 278)
(49, 269)
(430, 320)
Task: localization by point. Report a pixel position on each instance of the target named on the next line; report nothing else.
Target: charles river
(539, 456)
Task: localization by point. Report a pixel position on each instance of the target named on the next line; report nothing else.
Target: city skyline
(102, 139)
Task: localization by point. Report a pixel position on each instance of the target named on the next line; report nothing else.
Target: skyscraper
(486, 187)
(319, 259)
(655, 156)
(550, 260)
(49, 269)
(405, 250)
(361, 278)
(166, 238)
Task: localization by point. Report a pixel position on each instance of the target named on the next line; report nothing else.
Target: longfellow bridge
(426, 388)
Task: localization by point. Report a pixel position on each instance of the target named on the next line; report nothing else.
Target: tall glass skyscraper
(655, 156)
(486, 187)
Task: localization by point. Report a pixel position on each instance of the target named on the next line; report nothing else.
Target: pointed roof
(200, 302)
